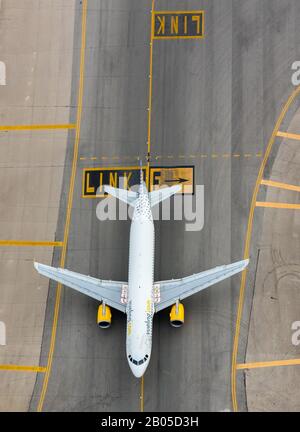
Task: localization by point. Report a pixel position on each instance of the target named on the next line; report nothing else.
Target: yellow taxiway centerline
(277, 205)
(280, 185)
(291, 99)
(150, 82)
(288, 135)
(20, 368)
(37, 127)
(267, 364)
(29, 243)
(149, 145)
(69, 205)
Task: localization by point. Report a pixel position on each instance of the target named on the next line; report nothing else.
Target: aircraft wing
(101, 290)
(178, 289)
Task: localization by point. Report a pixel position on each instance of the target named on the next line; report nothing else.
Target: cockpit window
(138, 362)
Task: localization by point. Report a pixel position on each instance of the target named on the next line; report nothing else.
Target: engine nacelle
(104, 316)
(177, 315)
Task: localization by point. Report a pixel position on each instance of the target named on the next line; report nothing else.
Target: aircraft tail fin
(129, 197)
(159, 195)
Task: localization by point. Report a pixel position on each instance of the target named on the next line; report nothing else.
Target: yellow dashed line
(280, 185)
(19, 368)
(191, 156)
(37, 127)
(29, 243)
(267, 364)
(288, 135)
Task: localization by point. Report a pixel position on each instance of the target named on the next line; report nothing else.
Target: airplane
(141, 297)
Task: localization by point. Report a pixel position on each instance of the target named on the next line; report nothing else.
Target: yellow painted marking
(170, 176)
(288, 135)
(112, 179)
(191, 156)
(162, 23)
(197, 19)
(150, 81)
(168, 28)
(69, 205)
(37, 127)
(29, 243)
(174, 24)
(267, 364)
(89, 189)
(142, 394)
(280, 185)
(20, 368)
(278, 205)
(188, 12)
(247, 245)
(127, 177)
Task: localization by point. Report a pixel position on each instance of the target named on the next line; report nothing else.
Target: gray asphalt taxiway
(215, 102)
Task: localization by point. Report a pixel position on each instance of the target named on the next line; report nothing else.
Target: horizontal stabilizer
(129, 197)
(160, 195)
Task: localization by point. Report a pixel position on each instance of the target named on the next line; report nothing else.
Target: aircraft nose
(138, 367)
(138, 370)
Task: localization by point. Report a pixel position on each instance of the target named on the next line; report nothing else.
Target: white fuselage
(140, 308)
